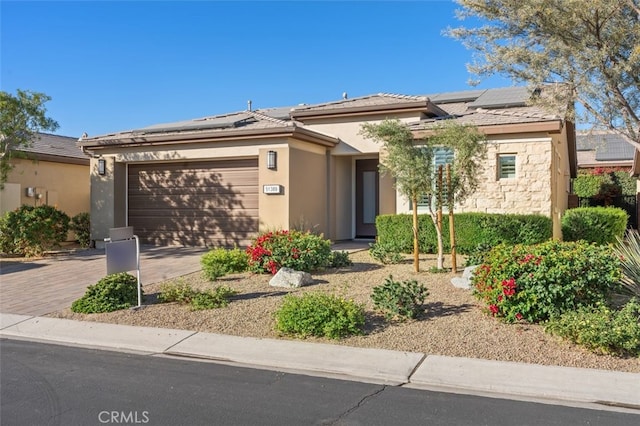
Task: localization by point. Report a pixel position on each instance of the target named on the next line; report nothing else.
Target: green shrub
(211, 299)
(111, 293)
(400, 299)
(339, 259)
(183, 293)
(318, 314)
(30, 231)
(81, 225)
(600, 225)
(603, 183)
(533, 283)
(219, 262)
(479, 255)
(472, 230)
(385, 253)
(302, 251)
(626, 182)
(601, 329)
(179, 292)
(587, 185)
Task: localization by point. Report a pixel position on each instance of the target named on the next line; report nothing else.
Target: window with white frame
(506, 166)
(441, 157)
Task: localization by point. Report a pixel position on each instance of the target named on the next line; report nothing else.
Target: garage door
(208, 203)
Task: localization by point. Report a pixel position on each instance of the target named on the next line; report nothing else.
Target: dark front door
(366, 198)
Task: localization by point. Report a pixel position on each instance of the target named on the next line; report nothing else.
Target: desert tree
(411, 164)
(22, 116)
(592, 47)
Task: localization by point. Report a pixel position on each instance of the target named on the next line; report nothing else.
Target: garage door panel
(194, 204)
(186, 179)
(194, 190)
(187, 203)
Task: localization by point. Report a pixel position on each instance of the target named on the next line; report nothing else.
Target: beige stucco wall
(274, 208)
(108, 199)
(341, 196)
(302, 172)
(308, 190)
(65, 186)
(347, 129)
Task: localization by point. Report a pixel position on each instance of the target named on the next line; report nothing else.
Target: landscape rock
(290, 278)
(465, 280)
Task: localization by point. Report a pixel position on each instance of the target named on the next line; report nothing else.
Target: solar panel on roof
(463, 96)
(608, 146)
(504, 97)
(614, 148)
(221, 122)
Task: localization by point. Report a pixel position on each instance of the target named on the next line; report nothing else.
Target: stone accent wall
(529, 192)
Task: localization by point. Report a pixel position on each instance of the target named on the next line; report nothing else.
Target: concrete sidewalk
(597, 389)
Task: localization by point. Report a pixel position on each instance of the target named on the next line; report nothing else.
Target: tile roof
(242, 120)
(55, 145)
(476, 107)
(377, 100)
(607, 146)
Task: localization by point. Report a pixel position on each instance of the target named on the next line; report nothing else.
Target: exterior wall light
(102, 166)
(272, 160)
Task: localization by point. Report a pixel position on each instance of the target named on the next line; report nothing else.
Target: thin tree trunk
(439, 218)
(452, 230)
(416, 248)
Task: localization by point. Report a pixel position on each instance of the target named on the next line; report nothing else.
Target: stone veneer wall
(529, 192)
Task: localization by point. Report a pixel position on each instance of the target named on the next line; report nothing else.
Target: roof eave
(549, 126)
(177, 138)
(29, 155)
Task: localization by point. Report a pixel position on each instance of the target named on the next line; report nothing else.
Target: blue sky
(117, 65)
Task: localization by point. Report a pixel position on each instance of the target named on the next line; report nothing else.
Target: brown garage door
(208, 203)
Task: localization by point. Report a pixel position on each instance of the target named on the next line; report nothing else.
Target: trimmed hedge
(600, 225)
(472, 230)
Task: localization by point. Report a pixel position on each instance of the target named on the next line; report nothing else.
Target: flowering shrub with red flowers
(534, 282)
(302, 251)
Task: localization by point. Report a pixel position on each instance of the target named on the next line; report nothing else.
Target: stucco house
(218, 180)
(53, 171)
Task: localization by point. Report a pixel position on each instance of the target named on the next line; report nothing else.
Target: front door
(367, 196)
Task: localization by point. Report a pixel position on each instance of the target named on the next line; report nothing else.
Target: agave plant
(629, 251)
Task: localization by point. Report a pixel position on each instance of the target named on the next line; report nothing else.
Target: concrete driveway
(47, 285)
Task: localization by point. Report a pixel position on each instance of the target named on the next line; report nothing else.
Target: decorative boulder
(287, 277)
(465, 281)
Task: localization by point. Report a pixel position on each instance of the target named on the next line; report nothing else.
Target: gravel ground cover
(453, 323)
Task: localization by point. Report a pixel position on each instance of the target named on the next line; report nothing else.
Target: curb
(509, 380)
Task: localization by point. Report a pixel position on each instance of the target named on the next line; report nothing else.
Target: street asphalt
(590, 388)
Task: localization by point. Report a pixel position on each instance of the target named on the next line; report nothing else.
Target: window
(441, 157)
(506, 166)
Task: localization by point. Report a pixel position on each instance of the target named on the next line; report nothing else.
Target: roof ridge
(400, 96)
(261, 116)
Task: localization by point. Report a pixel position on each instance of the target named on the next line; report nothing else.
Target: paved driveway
(47, 285)
(42, 286)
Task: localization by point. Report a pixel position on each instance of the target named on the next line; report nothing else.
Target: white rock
(465, 281)
(287, 277)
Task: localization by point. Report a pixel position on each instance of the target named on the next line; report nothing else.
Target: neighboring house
(52, 171)
(603, 149)
(219, 180)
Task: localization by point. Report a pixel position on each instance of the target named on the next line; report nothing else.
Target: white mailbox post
(123, 254)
